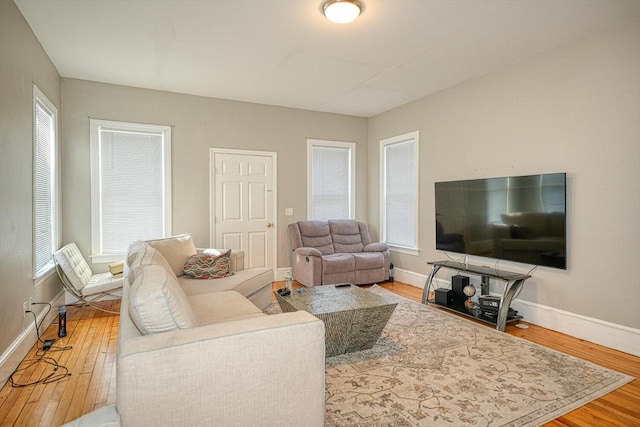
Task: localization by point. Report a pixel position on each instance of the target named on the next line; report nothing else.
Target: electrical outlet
(25, 308)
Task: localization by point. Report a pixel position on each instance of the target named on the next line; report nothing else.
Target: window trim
(384, 143)
(94, 134)
(39, 98)
(351, 146)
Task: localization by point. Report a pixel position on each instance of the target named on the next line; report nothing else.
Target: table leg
(511, 289)
(428, 283)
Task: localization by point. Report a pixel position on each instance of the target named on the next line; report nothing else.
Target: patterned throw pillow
(208, 266)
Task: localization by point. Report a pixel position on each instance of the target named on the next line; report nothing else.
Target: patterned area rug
(433, 368)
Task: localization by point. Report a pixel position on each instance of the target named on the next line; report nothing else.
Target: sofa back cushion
(176, 250)
(135, 251)
(157, 303)
(316, 234)
(346, 235)
(141, 254)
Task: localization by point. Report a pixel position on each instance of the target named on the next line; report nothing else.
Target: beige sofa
(203, 354)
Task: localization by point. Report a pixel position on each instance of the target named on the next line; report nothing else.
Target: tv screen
(518, 218)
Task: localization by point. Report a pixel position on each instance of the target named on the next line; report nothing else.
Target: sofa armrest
(305, 251)
(268, 369)
(376, 247)
(236, 259)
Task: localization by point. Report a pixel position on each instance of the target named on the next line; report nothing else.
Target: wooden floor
(91, 362)
(92, 334)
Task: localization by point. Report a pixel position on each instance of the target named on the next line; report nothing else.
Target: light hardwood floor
(91, 362)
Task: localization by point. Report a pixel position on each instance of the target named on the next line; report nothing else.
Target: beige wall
(198, 124)
(23, 62)
(576, 110)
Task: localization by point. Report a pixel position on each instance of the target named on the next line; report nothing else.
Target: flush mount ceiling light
(342, 11)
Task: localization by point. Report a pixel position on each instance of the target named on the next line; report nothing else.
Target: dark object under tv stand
(513, 284)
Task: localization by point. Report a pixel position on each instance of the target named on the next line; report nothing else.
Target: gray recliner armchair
(336, 251)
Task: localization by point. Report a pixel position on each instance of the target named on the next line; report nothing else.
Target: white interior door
(243, 204)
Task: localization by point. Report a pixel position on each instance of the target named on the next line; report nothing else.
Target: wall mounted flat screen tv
(517, 218)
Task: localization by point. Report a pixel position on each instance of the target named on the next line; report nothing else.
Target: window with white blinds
(331, 179)
(130, 186)
(45, 183)
(399, 191)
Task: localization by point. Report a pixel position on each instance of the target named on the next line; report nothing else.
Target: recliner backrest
(312, 234)
(332, 236)
(347, 235)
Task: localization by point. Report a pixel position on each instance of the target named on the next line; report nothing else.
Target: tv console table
(513, 284)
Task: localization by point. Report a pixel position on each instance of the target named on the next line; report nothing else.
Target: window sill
(44, 274)
(107, 258)
(404, 250)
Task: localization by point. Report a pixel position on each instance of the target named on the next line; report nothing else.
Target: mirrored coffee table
(353, 317)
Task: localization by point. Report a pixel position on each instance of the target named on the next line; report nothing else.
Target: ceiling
(284, 52)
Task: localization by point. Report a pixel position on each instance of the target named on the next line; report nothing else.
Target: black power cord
(47, 345)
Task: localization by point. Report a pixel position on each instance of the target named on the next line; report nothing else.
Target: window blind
(400, 193)
(44, 197)
(131, 188)
(330, 182)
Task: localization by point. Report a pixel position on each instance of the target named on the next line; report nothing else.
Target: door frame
(274, 193)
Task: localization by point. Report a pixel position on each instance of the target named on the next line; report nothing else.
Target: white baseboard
(280, 273)
(20, 347)
(404, 276)
(409, 277)
(618, 337)
(597, 331)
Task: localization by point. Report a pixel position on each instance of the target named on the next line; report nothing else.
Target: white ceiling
(283, 52)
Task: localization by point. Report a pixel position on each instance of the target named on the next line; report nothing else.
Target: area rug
(432, 368)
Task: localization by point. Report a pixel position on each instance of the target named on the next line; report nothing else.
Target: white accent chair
(78, 279)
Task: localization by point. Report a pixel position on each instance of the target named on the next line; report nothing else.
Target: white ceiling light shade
(342, 11)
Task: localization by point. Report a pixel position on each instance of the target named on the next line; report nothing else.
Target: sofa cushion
(222, 307)
(145, 254)
(253, 283)
(316, 234)
(244, 281)
(208, 266)
(368, 260)
(135, 250)
(176, 250)
(346, 235)
(338, 263)
(102, 282)
(156, 302)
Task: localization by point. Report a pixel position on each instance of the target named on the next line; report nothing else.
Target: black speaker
(442, 297)
(458, 283)
(458, 297)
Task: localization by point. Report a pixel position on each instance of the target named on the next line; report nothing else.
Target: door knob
(269, 225)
